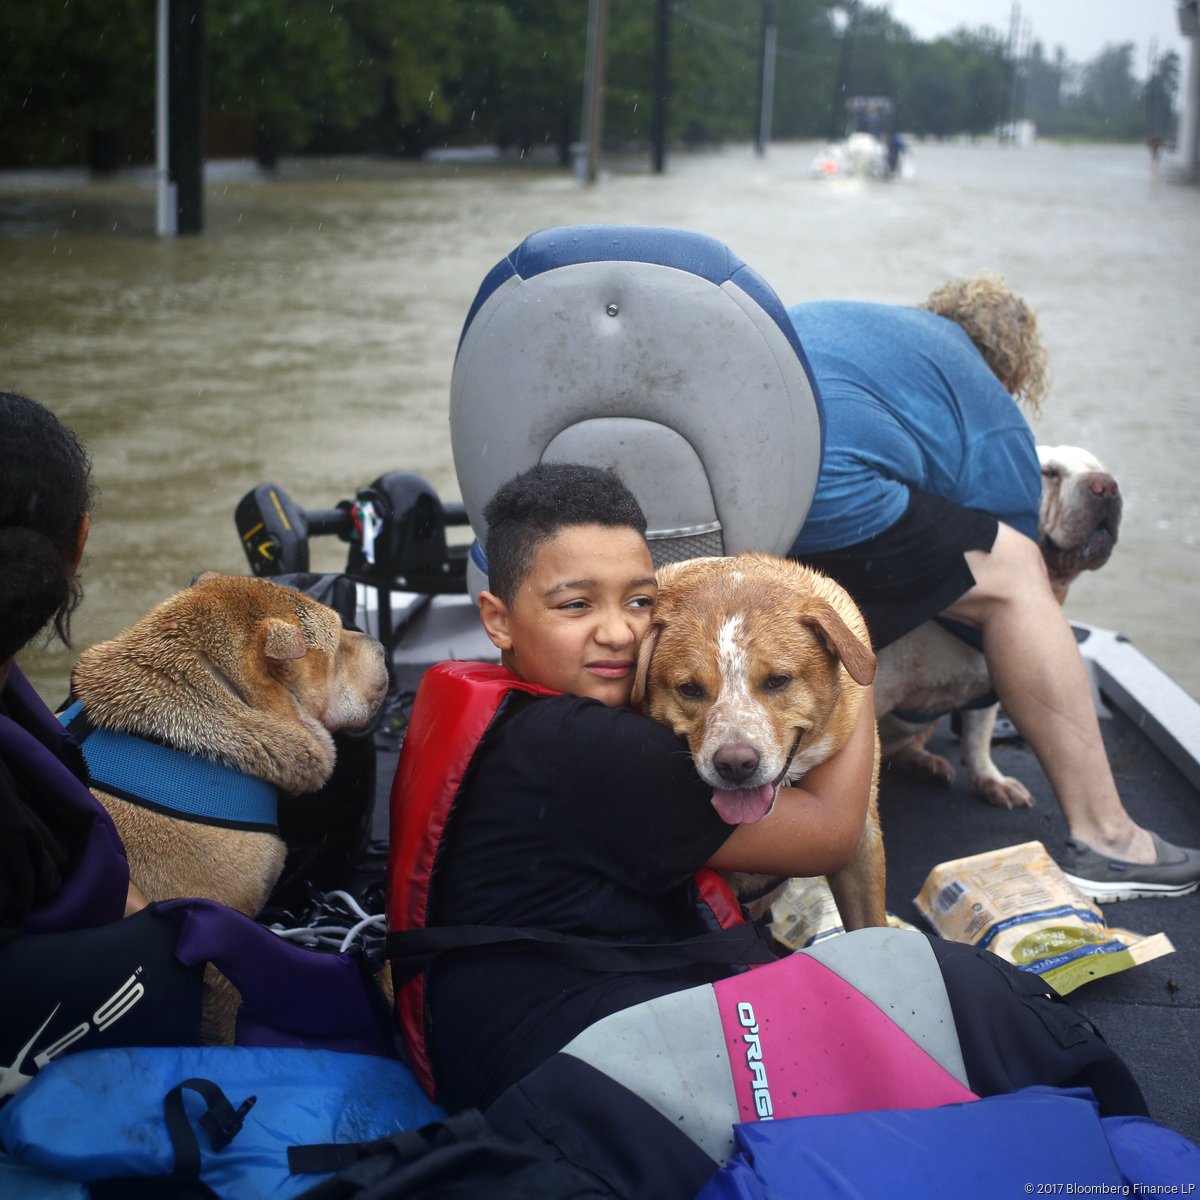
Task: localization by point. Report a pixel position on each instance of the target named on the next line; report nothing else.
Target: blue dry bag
(230, 1117)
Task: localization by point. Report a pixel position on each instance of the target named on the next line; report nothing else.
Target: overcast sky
(1082, 27)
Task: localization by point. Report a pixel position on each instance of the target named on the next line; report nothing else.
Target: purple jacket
(37, 748)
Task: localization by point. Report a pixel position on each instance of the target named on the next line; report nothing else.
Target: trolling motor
(395, 527)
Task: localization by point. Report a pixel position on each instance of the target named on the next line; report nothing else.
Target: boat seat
(656, 353)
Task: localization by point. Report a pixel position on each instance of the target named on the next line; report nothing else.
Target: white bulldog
(931, 671)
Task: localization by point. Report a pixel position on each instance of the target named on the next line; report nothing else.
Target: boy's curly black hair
(531, 508)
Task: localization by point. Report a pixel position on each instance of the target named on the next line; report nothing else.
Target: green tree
(71, 76)
(302, 69)
(1158, 97)
(986, 73)
(715, 52)
(934, 105)
(806, 68)
(879, 58)
(1107, 104)
(522, 77)
(1045, 85)
(1108, 83)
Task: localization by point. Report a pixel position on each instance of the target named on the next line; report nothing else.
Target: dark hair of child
(45, 490)
(534, 506)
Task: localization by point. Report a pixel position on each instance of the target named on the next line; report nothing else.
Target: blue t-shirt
(908, 401)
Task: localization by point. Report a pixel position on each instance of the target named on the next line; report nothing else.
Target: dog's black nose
(736, 762)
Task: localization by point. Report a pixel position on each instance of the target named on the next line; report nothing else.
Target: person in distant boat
(927, 504)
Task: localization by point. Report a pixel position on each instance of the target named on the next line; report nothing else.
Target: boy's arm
(813, 829)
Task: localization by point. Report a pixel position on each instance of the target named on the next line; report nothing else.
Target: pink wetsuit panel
(804, 1042)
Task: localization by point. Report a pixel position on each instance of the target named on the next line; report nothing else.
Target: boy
(578, 815)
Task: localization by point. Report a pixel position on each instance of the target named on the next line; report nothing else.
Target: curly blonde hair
(1004, 329)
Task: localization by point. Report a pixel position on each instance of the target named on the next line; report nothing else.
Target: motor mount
(395, 527)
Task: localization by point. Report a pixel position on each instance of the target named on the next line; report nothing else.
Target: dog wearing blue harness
(194, 719)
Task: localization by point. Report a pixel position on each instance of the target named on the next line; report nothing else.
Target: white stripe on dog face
(735, 715)
(731, 655)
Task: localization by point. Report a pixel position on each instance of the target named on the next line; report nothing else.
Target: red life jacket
(455, 705)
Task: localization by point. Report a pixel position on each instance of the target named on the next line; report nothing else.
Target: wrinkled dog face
(741, 667)
(1080, 512)
(338, 676)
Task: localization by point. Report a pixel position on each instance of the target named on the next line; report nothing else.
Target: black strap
(405, 1146)
(220, 1118)
(971, 634)
(318, 1157)
(80, 726)
(415, 949)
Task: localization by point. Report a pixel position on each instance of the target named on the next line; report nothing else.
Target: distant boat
(872, 147)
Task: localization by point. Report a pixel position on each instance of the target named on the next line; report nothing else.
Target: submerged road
(307, 337)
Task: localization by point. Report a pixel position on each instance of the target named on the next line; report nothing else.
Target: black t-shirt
(577, 818)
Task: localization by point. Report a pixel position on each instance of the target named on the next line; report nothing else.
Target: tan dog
(761, 664)
(240, 672)
(932, 671)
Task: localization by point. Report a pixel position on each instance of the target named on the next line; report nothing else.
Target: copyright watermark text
(1110, 1189)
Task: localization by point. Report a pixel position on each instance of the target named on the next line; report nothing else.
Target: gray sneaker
(1176, 872)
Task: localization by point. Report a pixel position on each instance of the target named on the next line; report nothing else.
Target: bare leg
(1039, 675)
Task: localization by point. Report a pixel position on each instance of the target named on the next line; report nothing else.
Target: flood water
(307, 337)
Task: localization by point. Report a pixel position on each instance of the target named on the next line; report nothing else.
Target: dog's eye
(775, 683)
(690, 690)
(1051, 473)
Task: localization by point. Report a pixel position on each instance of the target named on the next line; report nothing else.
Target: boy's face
(580, 613)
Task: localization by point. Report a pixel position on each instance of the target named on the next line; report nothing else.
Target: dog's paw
(1003, 791)
(915, 761)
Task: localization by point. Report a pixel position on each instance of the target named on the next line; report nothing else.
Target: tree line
(398, 77)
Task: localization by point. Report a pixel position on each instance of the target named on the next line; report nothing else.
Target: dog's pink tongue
(743, 806)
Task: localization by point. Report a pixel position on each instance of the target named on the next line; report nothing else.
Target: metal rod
(766, 92)
(165, 215)
(594, 101)
(662, 84)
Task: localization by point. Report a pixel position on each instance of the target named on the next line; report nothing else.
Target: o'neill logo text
(754, 1062)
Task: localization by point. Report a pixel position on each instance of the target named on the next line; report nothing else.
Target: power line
(733, 35)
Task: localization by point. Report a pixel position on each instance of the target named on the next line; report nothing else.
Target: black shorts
(902, 577)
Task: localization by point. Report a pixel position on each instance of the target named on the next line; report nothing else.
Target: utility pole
(180, 105)
(1014, 33)
(593, 87)
(662, 84)
(837, 111)
(164, 188)
(766, 79)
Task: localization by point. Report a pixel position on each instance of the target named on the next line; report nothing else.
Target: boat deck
(1150, 1014)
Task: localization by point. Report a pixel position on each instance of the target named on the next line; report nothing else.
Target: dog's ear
(283, 641)
(858, 659)
(645, 654)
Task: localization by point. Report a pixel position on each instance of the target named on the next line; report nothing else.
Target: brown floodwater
(307, 336)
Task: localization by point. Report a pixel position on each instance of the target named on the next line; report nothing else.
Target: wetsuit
(73, 974)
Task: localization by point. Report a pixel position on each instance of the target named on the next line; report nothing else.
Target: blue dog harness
(171, 781)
